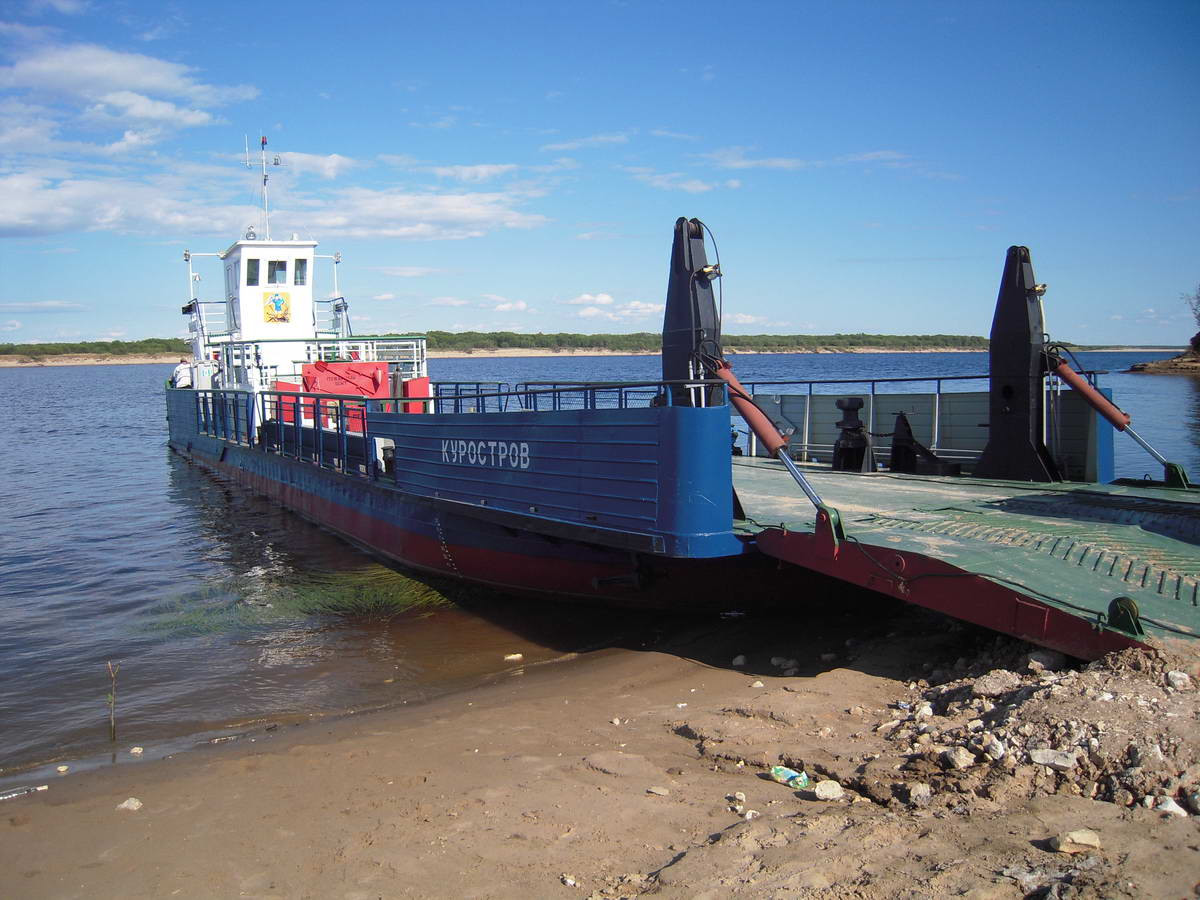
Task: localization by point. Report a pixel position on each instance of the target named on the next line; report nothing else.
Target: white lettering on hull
(494, 454)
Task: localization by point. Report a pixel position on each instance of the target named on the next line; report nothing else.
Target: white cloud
(406, 271)
(743, 319)
(326, 166)
(448, 301)
(133, 140)
(396, 159)
(503, 304)
(40, 205)
(40, 306)
(624, 312)
(872, 156)
(438, 124)
(37, 204)
(382, 297)
(677, 181)
(126, 105)
(93, 72)
(66, 7)
(562, 164)
(591, 300)
(735, 158)
(478, 173)
(596, 236)
(636, 308)
(363, 212)
(10, 325)
(26, 33)
(663, 133)
(140, 97)
(596, 140)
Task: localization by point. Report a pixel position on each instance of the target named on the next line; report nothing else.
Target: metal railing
(408, 353)
(327, 429)
(548, 396)
(804, 447)
(333, 431)
(229, 415)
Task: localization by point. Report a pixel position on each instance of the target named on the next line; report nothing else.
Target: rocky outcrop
(1186, 363)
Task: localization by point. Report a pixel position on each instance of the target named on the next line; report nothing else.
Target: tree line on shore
(638, 342)
(646, 341)
(147, 347)
(466, 341)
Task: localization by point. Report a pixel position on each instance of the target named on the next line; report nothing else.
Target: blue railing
(228, 415)
(545, 396)
(333, 430)
(327, 429)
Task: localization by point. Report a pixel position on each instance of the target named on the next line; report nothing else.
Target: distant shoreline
(93, 359)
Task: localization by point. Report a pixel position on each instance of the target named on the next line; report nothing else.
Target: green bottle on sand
(797, 781)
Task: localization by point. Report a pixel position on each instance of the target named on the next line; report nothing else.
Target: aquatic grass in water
(239, 603)
(371, 594)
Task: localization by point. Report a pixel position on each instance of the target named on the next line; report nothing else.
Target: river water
(226, 612)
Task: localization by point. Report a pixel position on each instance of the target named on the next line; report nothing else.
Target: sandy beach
(643, 770)
(88, 359)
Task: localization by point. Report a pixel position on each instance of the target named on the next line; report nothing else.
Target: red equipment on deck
(361, 379)
(366, 379)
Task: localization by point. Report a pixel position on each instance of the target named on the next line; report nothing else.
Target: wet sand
(526, 787)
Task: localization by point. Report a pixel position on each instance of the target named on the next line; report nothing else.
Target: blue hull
(618, 506)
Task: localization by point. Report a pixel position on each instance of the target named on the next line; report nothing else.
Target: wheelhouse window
(251, 272)
(277, 271)
(301, 276)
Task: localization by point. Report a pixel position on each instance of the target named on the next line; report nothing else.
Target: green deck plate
(1076, 546)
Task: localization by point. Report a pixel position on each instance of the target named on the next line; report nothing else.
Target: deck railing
(333, 430)
(545, 396)
(803, 445)
(229, 415)
(327, 429)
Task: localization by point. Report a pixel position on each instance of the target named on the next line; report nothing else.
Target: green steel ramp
(1084, 568)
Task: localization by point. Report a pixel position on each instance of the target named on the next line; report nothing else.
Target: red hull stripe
(940, 586)
(513, 571)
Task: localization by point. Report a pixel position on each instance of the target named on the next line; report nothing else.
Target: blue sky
(864, 166)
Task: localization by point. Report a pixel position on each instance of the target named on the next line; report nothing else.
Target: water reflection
(1191, 417)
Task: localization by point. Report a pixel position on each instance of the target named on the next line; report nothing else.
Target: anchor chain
(446, 554)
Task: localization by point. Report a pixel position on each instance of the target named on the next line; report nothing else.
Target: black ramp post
(1017, 363)
(691, 328)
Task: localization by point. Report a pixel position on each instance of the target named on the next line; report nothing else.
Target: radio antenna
(266, 209)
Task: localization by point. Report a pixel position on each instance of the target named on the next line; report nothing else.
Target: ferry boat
(627, 493)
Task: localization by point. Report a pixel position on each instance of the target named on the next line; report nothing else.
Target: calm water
(224, 610)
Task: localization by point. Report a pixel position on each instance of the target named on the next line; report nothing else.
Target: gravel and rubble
(1124, 729)
(1074, 758)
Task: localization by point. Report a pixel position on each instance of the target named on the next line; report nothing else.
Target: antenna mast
(266, 209)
